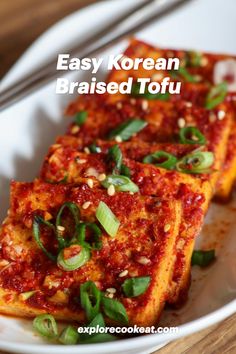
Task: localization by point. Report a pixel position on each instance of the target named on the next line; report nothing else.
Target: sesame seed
(133, 101)
(56, 146)
(90, 182)
(195, 138)
(60, 228)
(157, 77)
(204, 61)
(212, 117)
(188, 104)
(221, 115)
(144, 105)
(80, 161)
(118, 139)
(111, 290)
(181, 122)
(86, 150)
(119, 105)
(124, 273)
(143, 260)
(102, 177)
(86, 205)
(167, 227)
(91, 171)
(111, 190)
(180, 244)
(75, 129)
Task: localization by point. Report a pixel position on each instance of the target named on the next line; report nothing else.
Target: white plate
(28, 128)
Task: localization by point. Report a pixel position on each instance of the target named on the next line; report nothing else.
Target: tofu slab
(142, 233)
(194, 93)
(193, 193)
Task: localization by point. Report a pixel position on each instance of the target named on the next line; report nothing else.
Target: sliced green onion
(133, 287)
(38, 220)
(46, 326)
(187, 76)
(203, 258)
(114, 309)
(95, 149)
(157, 96)
(72, 207)
(98, 321)
(90, 299)
(216, 95)
(165, 159)
(121, 183)
(125, 170)
(147, 95)
(61, 181)
(127, 129)
(107, 219)
(115, 155)
(193, 59)
(25, 296)
(96, 242)
(75, 261)
(69, 336)
(191, 135)
(81, 117)
(197, 162)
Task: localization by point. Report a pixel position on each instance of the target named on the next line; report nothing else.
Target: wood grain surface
(22, 21)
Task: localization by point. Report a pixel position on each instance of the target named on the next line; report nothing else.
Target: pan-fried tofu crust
(142, 235)
(202, 67)
(163, 123)
(194, 194)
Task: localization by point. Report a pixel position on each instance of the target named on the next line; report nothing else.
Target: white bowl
(28, 128)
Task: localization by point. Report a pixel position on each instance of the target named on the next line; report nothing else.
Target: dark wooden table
(22, 21)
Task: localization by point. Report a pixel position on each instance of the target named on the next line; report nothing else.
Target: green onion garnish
(187, 76)
(95, 149)
(80, 117)
(90, 298)
(107, 219)
(25, 296)
(121, 183)
(191, 135)
(157, 96)
(125, 171)
(114, 310)
(96, 242)
(115, 155)
(46, 326)
(161, 159)
(133, 287)
(193, 59)
(74, 262)
(69, 336)
(74, 210)
(197, 162)
(203, 258)
(147, 95)
(38, 220)
(216, 95)
(127, 129)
